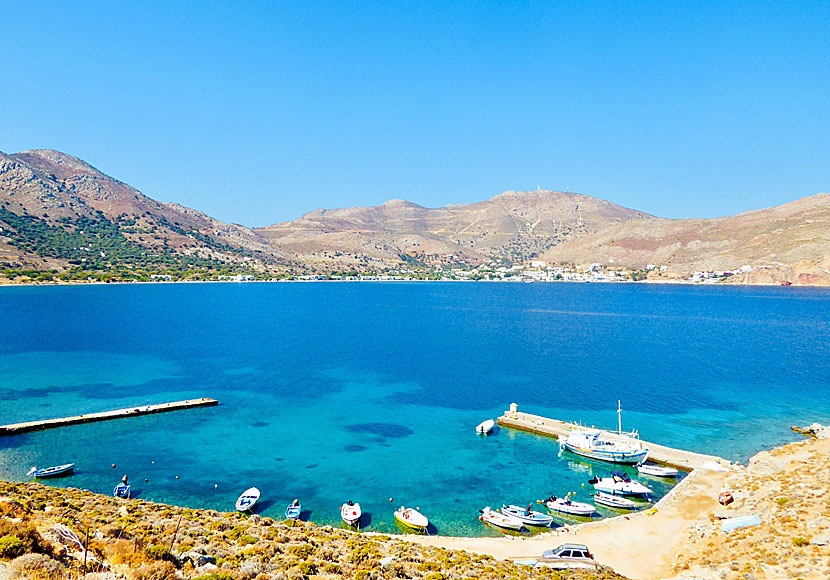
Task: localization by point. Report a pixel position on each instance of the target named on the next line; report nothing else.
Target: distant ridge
(59, 214)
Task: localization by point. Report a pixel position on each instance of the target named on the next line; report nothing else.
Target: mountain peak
(56, 163)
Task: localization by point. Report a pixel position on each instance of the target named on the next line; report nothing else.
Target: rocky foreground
(44, 530)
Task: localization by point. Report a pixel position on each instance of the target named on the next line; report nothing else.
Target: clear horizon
(257, 114)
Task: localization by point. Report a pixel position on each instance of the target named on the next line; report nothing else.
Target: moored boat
(500, 520)
(587, 443)
(614, 501)
(247, 500)
(350, 513)
(526, 515)
(485, 427)
(619, 484)
(564, 505)
(293, 511)
(55, 471)
(411, 518)
(656, 470)
(121, 490)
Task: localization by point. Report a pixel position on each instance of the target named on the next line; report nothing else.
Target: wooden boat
(121, 490)
(619, 484)
(614, 501)
(565, 506)
(350, 513)
(587, 443)
(656, 470)
(411, 518)
(526, 515)
(55, 471)
(485, 427)
(500, 520)
(246, 501)
(292, 512)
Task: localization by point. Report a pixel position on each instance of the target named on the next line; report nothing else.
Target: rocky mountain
(788, 242)
(57, 210)
(60, 214)
(514, 225)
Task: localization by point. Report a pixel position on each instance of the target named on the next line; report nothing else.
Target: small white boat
(485, 427)
(293, 511)
(350, 513)
(500, 520)
(614, 501)
(656, 470)
(619, 484)
(247, 500)
(564, 505)
(411, 518)
(526, 515)
(52, 471)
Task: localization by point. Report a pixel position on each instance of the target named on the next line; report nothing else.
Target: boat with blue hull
(56, 471)
(623, 448)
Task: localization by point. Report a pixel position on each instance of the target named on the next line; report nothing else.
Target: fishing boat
(350, 513)
(246, 501)
(656, 470)
(485, 427)
(292, 512)
(626, 448)
(619, 484)
(121, 490)
(500, 520)
(411, 518)
(614, 501)
(564, 505)
(55, 471)
(526, 515)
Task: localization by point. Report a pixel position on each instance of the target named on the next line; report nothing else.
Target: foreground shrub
(35, 567)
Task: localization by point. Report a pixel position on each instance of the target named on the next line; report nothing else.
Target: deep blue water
(336, 391)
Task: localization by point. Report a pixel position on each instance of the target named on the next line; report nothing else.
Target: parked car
(567, 556)
(569, 551)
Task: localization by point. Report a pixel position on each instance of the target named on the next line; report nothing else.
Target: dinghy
(292, 512)
(411, 518)
(350, 513)
(526, 515)
(619, 484)
(52, 471)
(485, 427)
(656, 470)
(614, 501)
(121, 490)
(564, 505)
(246, 501)
(500, 520)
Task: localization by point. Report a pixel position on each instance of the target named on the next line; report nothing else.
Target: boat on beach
(500, 520)
(564, 505)
(350, 513)
(614, 501)
(121, 490)
(293, 511)
(625, 448)
(55, 471)
(526, 515)
(656, 470)
(485, 427)
(247, 500)
(411, 518)
(619, 484)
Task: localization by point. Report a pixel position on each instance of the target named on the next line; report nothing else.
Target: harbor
(28, 426)
(557, 429)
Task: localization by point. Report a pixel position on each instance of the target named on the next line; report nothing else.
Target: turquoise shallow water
(369, 391)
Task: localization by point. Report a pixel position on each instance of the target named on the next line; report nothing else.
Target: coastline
(786, 486)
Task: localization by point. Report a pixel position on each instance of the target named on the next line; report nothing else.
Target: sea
(370, 392)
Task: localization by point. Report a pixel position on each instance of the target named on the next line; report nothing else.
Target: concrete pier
(17, 428)
(685, 460)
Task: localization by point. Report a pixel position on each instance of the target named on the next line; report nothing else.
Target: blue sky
(256, 113)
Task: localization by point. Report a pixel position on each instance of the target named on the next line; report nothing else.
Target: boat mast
(619, 418)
